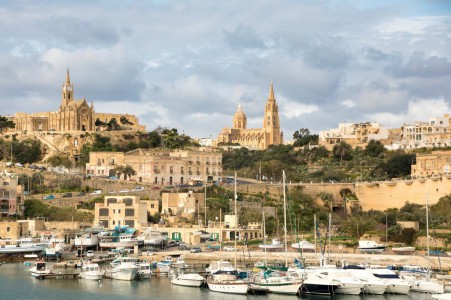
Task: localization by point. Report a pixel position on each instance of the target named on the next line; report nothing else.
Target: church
(73, 115)
(254, 138)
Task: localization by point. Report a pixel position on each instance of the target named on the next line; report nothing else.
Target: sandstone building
(161, 166)
(435, 133)
(10, 195)
(72, 115)
(432, 164)
(120, 211)
(255, 138)
(182, 205)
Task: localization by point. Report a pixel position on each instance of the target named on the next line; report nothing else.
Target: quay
(58, 276)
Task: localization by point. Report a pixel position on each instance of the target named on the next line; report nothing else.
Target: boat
(188, 277)
(39, 269)
(446, 296)
(275, 245)
(123, 268)
(347, 284)
(153, 238)
(86, 240)
(304, 246)
(373, 285)
(118, 241)
(396, 285)
(218, 266)
(370, 247)
(319, 284)
(203, 234)
(228, 283)
(91, 271)
(23, 245)
(276, 283)
(403, 250)
(144, 271)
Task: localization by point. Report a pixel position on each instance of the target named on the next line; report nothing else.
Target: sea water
(17, 283)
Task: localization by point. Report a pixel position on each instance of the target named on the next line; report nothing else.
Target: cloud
(421, 66)
(243, 37)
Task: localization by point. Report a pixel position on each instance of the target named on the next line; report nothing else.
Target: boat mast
(314, 231)
(220, 234)
(285, 218)
(427, 231)
(330, 230)
(264, 233)
(236, 221)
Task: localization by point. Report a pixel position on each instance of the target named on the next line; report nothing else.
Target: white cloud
(348, 103)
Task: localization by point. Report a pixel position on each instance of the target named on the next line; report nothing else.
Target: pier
(58, 276)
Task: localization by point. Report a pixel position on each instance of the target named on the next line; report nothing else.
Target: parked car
(138, 189)
(18, 164)
(229, 248)
(80, 194)
(49, 197)
(90, 253)
(112, 192)
(41, 168)
(184, 246)
(96, 192)
(113, 177)
(195, 250)
(67, 195)
(9, 164)
(124, 191)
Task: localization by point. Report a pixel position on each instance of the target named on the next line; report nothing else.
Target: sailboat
(427, 285)
(273, 281)
(224, 278)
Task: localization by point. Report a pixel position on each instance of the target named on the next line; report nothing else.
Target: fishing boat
(23, 245)
(228, 283)
(204, 235)
(91, 271)
(370, 247)
(275, 245)
(188, 277)
(144, 271)
(304, 246)
(403, 250)
(40, 268)
(86, 240)
(123, 268)
(276, 282)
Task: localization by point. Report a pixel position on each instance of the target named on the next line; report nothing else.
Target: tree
(125, 121)
(374, 148)
(113, 124)
(118, 171)
(6, 122)
(342, 150)
(128, 172)
(303, 137)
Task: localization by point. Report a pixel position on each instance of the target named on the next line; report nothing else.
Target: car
(112, 192)
(18, 164)
(138, 189)
(124, 191)
(195, 250)
(49, 197)
(41, 168)
(90, 253)
(32, 167)
(113, 177)
(184, 246)
(9, 164)
(229, 248)
(96, 192)
(67, 195)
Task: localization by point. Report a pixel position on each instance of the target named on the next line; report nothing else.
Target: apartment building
(120, 211)
(435, 163)
(182, 204)
(10, 195)
(435, 133)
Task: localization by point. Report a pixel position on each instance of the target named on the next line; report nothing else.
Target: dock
(58, 276)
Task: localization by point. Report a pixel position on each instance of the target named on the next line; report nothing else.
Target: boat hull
(187, 282)
(91, 275)
(229, 287)
(122, 274)
(425, 286)
(289, 288)
(318, 289)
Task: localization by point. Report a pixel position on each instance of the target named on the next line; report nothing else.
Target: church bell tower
(271, 119)
(67, 93)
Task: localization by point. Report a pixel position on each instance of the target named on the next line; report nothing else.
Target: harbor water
(16, 283)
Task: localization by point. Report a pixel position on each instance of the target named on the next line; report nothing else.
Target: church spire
(67, 76)
(271, 92)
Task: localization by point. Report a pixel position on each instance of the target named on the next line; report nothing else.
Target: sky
(188, 64)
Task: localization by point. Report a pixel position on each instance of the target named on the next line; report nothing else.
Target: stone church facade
(73, 115)
(255, 138)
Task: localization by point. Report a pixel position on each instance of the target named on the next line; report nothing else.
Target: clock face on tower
(69, 88)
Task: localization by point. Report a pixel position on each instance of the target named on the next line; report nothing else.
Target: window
(152, 206)
(8, 229)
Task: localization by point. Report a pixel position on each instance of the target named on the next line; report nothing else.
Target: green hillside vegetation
(38, 209)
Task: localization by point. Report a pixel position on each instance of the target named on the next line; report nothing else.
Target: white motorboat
(91, 271)
(275, 245)
(227, 283)
(370, 247)
(40, 268)
(124, 271)
(373, 285)
(427, 286)
(23, 245)
(446, 296)
(396, 285)
(188, 277)
(123, 240)
(304, 245)
(403, 250)
(319, 284)
(86, 240)
(153, 238)
(348, 285)
(144, 271)
(276, 283)
(204, 235)
(123, 259)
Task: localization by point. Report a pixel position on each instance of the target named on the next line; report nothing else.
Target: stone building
(435, 163)
(10, 195)
(13, 230)
(254, 138)
(182, 204)
(72, 115)
(161, 166)
(435, 133)
(355, 134)
(120, 211)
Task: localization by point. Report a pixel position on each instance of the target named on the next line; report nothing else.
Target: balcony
(198, 172)
(198, 162)
(207, 162)
(156, 171)
(190, 172)
(190, 162)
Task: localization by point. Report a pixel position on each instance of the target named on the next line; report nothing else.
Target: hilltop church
(254, 138)
(73, 115)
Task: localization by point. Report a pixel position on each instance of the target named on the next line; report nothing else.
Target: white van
(96, 192)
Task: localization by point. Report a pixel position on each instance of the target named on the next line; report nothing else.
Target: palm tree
(341, 150)
(118, 171)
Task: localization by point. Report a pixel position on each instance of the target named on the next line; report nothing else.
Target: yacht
(373, 285)
(153, 238)
(403, 250)
(227, 282)
(276, 283)
(115, 241)
(23, 245)
(348, 285)
(91, 271)
(123, 268)
(370, 247)
(275, 245)
(396, 285)
(304, 245)
(319, 284)
(86, 240)
(188, 277)
(144, 271)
